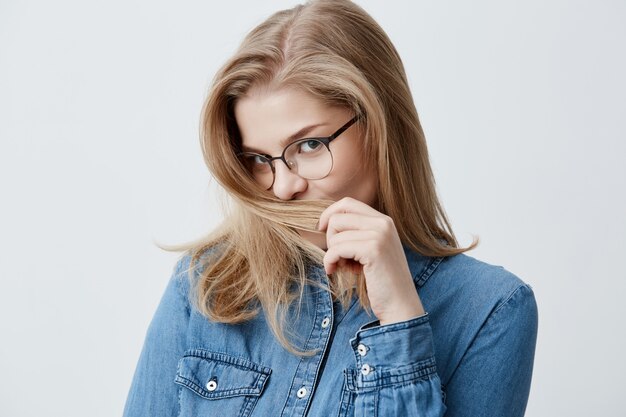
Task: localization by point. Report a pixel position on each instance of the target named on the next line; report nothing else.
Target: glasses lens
(310, 157)
(259, 168)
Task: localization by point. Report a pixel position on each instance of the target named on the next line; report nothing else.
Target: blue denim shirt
(470, 355)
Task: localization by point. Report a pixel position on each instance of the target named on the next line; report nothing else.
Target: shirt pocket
(219, 384)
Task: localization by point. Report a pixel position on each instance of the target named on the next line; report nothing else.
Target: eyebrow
(300, 134)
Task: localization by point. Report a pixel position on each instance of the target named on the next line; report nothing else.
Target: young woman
(335, 287)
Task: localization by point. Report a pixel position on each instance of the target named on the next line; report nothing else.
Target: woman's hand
(360, 237)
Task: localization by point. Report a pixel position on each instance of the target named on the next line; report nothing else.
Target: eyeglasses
(310, 158)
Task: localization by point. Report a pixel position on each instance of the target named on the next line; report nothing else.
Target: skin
(352, 232)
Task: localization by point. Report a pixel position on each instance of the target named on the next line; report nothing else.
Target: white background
(522, 102)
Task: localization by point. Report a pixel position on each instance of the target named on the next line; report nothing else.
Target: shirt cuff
(393, 345)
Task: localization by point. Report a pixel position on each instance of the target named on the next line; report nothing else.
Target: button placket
(302, 392)
(307, 372)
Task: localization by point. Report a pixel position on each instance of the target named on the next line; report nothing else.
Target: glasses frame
(325, 140)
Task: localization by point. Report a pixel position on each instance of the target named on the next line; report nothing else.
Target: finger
(356, 251)
(350, 236)
(341, 222)
(346, 205)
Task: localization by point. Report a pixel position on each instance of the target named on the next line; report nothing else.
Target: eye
(258, 159)
(256, 163)
(308, 146)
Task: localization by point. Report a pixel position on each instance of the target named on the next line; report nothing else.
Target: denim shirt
(470, 355)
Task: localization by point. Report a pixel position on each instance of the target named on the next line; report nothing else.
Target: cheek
(351, 179)
(366, 190)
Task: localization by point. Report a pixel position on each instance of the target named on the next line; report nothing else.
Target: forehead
(266, 118)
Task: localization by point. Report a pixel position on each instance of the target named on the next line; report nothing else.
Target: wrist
(402, 312)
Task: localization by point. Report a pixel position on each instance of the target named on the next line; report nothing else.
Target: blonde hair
(334, 51)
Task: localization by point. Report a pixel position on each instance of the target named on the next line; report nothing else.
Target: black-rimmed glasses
(311, 158)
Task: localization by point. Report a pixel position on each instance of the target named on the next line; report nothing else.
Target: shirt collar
(421, 266)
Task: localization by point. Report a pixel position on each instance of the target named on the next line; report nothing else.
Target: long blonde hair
(334, 51)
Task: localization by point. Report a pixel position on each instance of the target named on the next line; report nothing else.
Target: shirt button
(366, 369)
(211, 385)
(362, 349)
(302, 392)
(325, 322)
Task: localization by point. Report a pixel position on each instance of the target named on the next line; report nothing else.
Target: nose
(287, 183)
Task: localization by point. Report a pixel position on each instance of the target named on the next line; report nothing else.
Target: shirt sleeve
(153, 391)
(493, 379)
(396, 373)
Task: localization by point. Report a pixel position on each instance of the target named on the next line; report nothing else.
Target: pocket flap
(214, 375)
